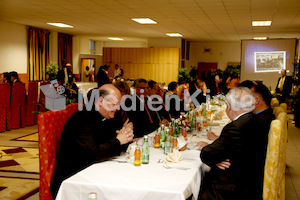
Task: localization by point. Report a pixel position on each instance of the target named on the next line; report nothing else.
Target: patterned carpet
(17, 188)
(32, 137)
(19, 159)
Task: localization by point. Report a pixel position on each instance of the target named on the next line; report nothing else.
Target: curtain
(64, 49)
(38, 52)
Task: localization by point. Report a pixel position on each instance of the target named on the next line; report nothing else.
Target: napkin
(130, 151)
(174, 157)
(218, 115)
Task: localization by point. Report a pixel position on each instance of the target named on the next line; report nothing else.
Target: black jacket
(242, 141)
(86, 139)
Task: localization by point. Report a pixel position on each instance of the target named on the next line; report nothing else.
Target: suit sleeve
(225, 147)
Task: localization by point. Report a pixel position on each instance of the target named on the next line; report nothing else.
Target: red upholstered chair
(72, 108)
(31, 103)
(50, 127)
(5, 117)
(42, 97)
(18, 105)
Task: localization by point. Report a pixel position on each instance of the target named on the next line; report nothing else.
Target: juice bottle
(156, 140)
(137, 156)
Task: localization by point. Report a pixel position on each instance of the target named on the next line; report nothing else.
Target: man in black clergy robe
(91, 136)
(240, 144)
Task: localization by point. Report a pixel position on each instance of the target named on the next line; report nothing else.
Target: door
(90, 62)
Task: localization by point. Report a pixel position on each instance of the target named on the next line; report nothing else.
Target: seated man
(262, 108)
(172, 100)
(143, 119)
(91, 136)
(240, 143)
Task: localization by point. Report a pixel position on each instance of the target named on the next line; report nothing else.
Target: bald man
(91, 136)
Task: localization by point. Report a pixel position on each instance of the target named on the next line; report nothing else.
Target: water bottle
(145, 151)
(162, 136)
(168, 147)
(92, 196)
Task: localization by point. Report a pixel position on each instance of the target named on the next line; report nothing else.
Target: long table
(116, 179)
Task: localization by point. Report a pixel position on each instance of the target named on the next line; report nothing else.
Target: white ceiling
(196, 20)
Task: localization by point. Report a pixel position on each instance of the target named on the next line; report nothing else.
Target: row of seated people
(95, 135)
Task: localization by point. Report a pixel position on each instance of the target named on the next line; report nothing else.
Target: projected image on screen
(269, 61)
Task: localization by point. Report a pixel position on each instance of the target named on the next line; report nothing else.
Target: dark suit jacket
(287, 87)
(61, 76)
(241, 142)
(102, 78)
(170, 103)
(85, 140)
(140, 118)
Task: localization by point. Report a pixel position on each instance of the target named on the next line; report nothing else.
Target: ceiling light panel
(174, 34)
(61, 25)
(261, 23)
(144, 20)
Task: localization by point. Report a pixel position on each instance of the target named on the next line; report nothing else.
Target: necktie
(148, 113)
(281, 84)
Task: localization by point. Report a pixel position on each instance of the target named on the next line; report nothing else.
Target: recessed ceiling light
(260, 38)
(144, 20)
(61, 25)
(261, 23)
(174, 34)
(115, 38)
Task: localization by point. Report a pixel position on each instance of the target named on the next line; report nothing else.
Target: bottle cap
(92, 195)
(146, 136)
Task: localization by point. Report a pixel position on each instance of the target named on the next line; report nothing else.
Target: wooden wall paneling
(106, 55)
(116, 55)
(136, 55)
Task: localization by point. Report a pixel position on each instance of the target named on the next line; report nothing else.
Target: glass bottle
(176, 129)
(168, 147)
(193, 124)
(92, 196)
(157, 140)
(137, 156)
(162, 136)
(145, 151)
(174, 143)
(171, 126)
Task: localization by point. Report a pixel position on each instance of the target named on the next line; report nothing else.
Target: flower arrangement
(51, 71)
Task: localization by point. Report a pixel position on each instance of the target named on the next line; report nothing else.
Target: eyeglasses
(114, 103)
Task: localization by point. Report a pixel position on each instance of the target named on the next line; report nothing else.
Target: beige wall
(13, 48)
(221, 53)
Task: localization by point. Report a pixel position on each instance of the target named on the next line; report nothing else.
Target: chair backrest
(5, 117)
(274, 103)
(18, 105)
(271, 175)
(50, 127)
(31, 103)
(277, 110)
(284, 106)
(282, 154)
(72, 108)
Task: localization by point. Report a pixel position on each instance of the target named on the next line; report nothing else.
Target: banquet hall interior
(178, 36)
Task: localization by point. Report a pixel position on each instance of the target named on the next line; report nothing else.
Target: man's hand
(125, 135)
(224, 164)
(201, 144)
(128, 124)
(212, 136)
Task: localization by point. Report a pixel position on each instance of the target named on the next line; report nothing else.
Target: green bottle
(176, 129)
(168, 147)
(162, 136)
(145, 151)
(193, 124)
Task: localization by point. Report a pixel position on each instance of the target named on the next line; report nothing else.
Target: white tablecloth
(114, 180)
